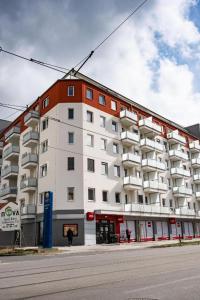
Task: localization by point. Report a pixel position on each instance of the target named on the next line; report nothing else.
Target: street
(167, 273)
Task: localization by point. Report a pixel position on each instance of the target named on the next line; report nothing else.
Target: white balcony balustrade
(31, 119)
(10, 172)
(31, 139)
(194, 146)
(128, 118)
(178, 155)
(132, 183)
(129, 138)
(196, 162)
(182, 191)
(196, 178)
(147, 145)
(28, 185)
(11, 153)
(179, 172)
(185, 211)
(29, 161)
(12, 136)
(28, 209)
(152, 164)
(154, 186)
(174, 138)
(142, 209)
(8, 193)
(130, 159)
(150, 127)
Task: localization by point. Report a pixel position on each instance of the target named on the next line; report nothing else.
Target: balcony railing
(130, 158)
(30, 158)
(175, 137)
(180, 172)
(178, 154)
(28, 183)
(28, 209)
(185, 211)
(1, 145)
(151, 144)
(128, 117)
(13, 131)
(129, 137)
(194, 146)
(147, 209)
(10, 170)
(148, 124)
(152, 163)
(154, 185)
(196, 162)
(196, 177)
(181, 191)
(132, 182)
(8, 191)
(11, 150)
(32, 115)
(30, 136)
(197, 194)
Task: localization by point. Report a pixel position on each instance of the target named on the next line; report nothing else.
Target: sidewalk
(120, 247)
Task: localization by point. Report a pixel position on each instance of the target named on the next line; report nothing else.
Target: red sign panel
(172, 221)
(90, 216)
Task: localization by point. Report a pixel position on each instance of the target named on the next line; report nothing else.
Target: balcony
(28, 185)
(129, 138)
(29, 161)
(8, 193)
(196, 178)
(1, 145)
(182, 192)
(179, 172)
(177, 155)
(197, 194)
(132, 183)
(31, 139)
(10, 172)
(148, 127)
(149, 145)
(130, 160)
(142, 209)
(28, 209)
(11, 153)
(12, 136)
(185, 211)
(31, 119)
(174, 138)
(1, 162)
(194, 147)
(154, 186)
(196, 162)
(128, 118)
(152, 164)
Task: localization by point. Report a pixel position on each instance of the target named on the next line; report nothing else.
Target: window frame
(68, 89)
(90, 113)
(90, 160)
(86, 93)
(70, 110)
(115, 105)
(71, 187)
(101, 96)
(70, 165)
(94, 194)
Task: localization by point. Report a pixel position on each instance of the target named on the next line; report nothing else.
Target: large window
(104, 168)
(102, 100)
(89, 94)
(70, 91)
(115, 148)
(90, 165)
(114, 126)
(70, 193)
(90, 140)
(117, 198)
(104, 196)
(91, 194)
(43, 170)
(117, 171)
(73, 227)
(102, 121)
(103, 144)
(71, 137)
(89, 116)
(45, 124)
(113, 105)
(70, 113)
(45, 103)
(70, 163)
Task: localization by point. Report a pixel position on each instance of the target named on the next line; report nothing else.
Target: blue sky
(154, 58)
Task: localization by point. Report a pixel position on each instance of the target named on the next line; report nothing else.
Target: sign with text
(47, 227)
(10, 217)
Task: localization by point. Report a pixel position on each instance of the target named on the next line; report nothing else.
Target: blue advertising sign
(47, 220)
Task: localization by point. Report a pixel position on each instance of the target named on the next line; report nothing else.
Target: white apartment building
(111, 164)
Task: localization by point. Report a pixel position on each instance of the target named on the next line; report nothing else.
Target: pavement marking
(162, 284)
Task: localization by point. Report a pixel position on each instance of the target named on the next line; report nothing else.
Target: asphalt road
(168, 273)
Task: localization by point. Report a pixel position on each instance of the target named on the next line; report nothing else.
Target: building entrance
(105, 232)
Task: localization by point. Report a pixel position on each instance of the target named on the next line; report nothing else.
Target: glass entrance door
(104, 232)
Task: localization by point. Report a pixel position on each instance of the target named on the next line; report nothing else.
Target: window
(45, 103)
(171, 203)
(103, 144)
(146, 200)
(113, 105)
(90, 140)
(104, 196)
(70, 193)
(41, 198)
(169, 183)
(189, 205)
(71, 137)
(115, 148)
(70, 113)
(126, 199)
(117, 198)
(70, 163)
(45, 124)
(102, 100)
(104, 168)
(194, 206)
(73, 227)
(184, 167)
(90, 165)
(43, 170)
(70, 91)
(89, 94)
(44, 146)
(102, 121)
(91, 194)
(114, 126)
(140, 199)
(163, 202)
(117, 171)
(89, 116)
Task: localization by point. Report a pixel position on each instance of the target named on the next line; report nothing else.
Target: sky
(154, 58)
